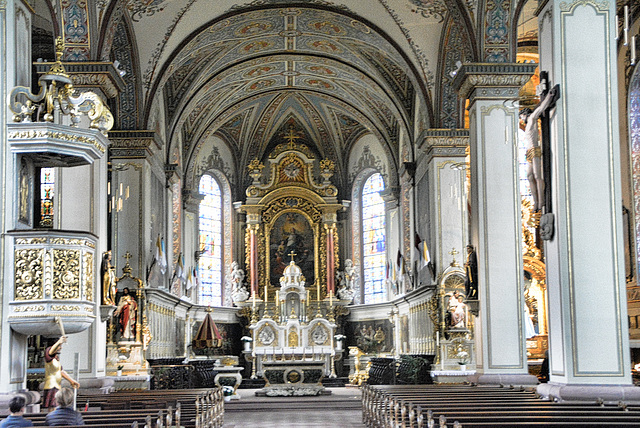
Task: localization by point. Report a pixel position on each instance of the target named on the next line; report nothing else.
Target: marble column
(588, 330)
(331, 263)
(495, 219)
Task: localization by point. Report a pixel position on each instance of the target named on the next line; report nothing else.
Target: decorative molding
(601, 6)
(101, 75)
(450, 138)
(132, 144)
(492, 81)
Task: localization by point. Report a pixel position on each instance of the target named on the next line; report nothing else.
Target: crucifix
(453, 252)
(292, 254)
(539, 158)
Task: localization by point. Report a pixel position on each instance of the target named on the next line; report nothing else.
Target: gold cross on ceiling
(291, 136)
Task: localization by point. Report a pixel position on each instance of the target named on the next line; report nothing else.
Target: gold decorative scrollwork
(30, 308)
(30, 241)
(293, 337)
(301, 204)
(65, 308)
(88, 276)
(323, 262)
(66, 281)
(28, 274)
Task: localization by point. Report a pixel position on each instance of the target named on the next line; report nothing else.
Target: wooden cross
(291, 254)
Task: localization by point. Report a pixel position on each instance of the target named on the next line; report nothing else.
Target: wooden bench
(422, 405)
(198, 408)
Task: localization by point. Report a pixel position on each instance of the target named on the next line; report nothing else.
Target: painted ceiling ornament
(140, 8)
(430, 8)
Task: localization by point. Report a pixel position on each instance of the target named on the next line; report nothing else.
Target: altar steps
(326, 382)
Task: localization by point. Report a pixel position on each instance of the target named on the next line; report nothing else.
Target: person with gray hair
(15, 419)
(64, 414)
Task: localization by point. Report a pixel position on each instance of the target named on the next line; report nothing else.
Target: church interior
(296, 196)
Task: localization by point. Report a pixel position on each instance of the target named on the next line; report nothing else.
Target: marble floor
(340, 409)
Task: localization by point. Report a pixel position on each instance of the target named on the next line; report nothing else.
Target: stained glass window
(373, 240)
(210, 238)
(47, 184)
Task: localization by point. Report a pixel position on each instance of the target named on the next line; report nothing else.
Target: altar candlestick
(254, 300)
(626, 25)
(633, 50)
(265, 296)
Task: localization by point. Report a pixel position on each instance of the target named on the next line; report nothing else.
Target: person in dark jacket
(64, 414)
(16, 406)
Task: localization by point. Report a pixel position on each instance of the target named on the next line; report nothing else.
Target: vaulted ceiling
(245, 72)
(329, 74)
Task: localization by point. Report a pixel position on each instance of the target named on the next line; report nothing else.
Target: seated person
(64, 414)
(16, 406)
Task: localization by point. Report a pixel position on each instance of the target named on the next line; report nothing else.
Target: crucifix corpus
(539, 158)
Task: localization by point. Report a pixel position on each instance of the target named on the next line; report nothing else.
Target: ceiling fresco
(242, 76)
(337, 70)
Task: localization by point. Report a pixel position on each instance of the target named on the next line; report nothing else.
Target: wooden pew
(419, 406)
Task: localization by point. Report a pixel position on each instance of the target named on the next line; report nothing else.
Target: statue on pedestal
(235, 279)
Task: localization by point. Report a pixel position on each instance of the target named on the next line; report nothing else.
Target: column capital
(492, 81)
(132, 144)
(100, 76)
(191, 200)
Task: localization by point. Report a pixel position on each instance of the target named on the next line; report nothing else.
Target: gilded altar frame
(291, 189)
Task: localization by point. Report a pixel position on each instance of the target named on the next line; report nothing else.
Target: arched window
(373, 240)
(210, 238)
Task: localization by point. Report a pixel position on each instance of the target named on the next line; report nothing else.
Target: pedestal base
(504, 379)
(609, 394)
(132, 382)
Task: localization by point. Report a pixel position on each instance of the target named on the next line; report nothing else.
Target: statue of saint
(235, 279)
(126, 313)
(108, 273)
(471, 268)
(53, 373)
(459, 314)
(347, 281)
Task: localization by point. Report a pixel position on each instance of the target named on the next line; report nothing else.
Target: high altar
(292, 255)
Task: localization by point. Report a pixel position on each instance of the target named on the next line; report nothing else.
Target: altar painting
(292, 234)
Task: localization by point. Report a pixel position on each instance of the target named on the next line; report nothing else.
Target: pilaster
(495, 218)
(588, 330)
(443, 219)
